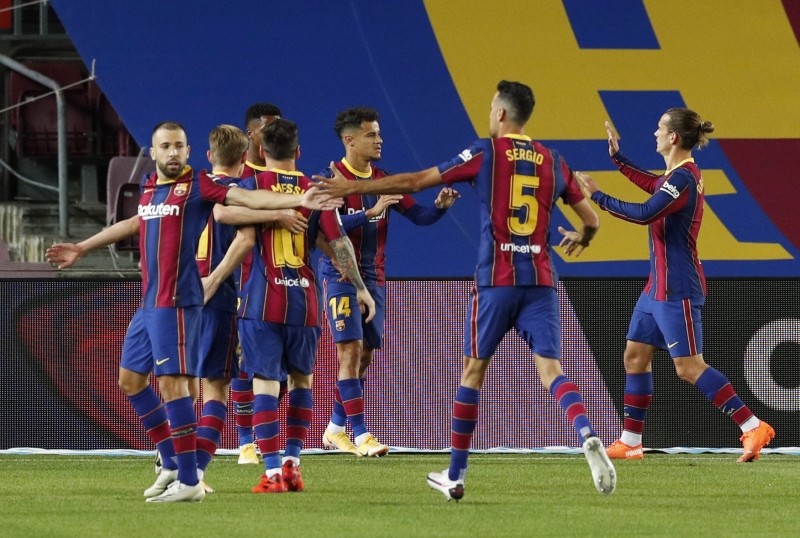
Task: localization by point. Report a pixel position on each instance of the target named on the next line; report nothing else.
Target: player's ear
(152, 153)
(208, 156)
(297, 153)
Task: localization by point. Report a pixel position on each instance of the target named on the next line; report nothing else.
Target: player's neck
(675, 157)
(506, 128)
(357, 162)
(229, 171)
(255, 158)
(290, 165)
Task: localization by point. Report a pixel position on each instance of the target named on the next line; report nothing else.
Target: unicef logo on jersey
(292, 282)
(465, 155)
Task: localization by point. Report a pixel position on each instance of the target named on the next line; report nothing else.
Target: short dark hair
(169, 126)
(255, 111)
(354, 117)
(280, 139)
(519, 100)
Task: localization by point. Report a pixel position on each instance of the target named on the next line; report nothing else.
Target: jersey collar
(357, 173)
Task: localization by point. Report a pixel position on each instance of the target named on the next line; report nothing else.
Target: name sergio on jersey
(523, 154)
(151, 211)
(291, 282)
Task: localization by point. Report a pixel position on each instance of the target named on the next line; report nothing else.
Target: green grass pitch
(506, 495)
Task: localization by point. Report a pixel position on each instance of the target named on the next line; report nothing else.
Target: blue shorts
(495, 310)
(676, 326)
(217, 345)
(273, 350)
(344, 316)
(162, 341)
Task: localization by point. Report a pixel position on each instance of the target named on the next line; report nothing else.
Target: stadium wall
(62, 340)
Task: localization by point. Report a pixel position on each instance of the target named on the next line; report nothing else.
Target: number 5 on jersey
(523, 195)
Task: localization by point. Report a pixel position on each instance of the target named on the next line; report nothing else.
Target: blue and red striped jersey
(369, 235)
(673, 214)
(281, 287)
(518, 182)
(211, 249)
(172, 216)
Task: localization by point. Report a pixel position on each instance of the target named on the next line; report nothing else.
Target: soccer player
(365, 218)
(218, 337)
(162, 337)
(518, 182)
(279, 318)
(257, 116)
(668, 312)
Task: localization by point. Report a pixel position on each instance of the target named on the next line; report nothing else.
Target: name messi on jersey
(287, 188)
(151, 211)
(524, 154)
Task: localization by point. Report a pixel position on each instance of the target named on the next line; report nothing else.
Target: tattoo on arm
(346, 260)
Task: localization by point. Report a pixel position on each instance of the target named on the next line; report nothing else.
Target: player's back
(518, 184)
(280, 287)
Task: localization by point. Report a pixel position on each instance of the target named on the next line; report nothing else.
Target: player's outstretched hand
(572, 242)
(337, 186)
(63, 255)
(587, 184)
(366, 303)
(446, 198)
(613, 141)
(293, 221)
(384, 201)
(315, 199)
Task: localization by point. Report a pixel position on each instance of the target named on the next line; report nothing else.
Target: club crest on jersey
(340, 325)
(180, 189)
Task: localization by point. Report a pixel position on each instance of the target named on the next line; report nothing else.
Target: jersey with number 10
(518, 182)
(281, 287)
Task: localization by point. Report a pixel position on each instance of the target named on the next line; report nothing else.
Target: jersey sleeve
(670, 198)
(353, 221)
(644, 179)
(465, 166)
(331, 225)
(211, 190)
(419, 214)
(572, 193)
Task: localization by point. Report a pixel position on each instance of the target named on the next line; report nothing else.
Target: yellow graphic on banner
(736, 61)
(620, 240)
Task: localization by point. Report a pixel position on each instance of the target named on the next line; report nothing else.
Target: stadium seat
(127, 206)
(123, 171)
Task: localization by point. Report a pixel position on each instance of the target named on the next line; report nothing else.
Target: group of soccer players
(518, 182)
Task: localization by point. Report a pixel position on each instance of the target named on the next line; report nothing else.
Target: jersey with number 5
(518, 182)
(281, 286)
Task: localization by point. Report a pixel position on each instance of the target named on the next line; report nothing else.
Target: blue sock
(464, 420)
(183, 423)
(298, 420)
(148, 408)
(209, 432)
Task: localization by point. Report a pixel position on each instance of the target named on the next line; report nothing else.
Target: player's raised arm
(339, 186)
(67, 254)
(263, 199)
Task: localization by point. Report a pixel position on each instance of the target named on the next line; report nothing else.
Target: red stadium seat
(122, 172)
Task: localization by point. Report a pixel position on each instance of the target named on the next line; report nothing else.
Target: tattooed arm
(345, 260)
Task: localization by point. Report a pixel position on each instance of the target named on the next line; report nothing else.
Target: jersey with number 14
(518, 182)
(281, 287)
